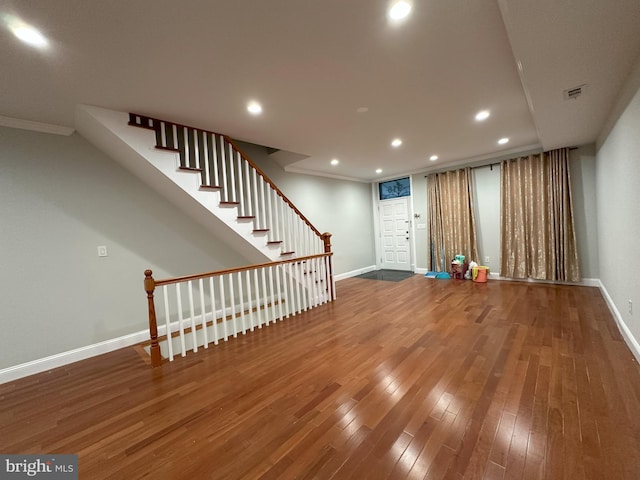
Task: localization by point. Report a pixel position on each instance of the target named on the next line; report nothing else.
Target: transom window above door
(394, 188)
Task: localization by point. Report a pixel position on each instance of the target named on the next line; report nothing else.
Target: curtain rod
(490, 165)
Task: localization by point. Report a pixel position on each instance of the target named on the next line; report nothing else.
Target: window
(395, 188)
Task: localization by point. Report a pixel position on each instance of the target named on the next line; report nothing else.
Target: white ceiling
(312, 64)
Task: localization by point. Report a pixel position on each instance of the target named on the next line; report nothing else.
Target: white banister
(239, 300)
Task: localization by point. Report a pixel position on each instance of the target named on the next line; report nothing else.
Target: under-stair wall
(209, 178)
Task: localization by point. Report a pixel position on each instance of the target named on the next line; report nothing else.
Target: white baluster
(292, 289)
(248, 192)
(180, 320)
(174, 142)
(206, 158)
(249, 299)
(285, 290)
(203, 314)
(265, 293)
(242, 207)
(214, 314)
(276, 222)
(163, 134)
(223, 304)
(279, 293)
(196, 148)
(257, 290)
(232, 175)
(167, 315)
(232, 299)
(214, 151)
(194, 338)
(263, 205)
(223, 171)
(256, 199)
(273, 314)
(273, 233)
(243, 320)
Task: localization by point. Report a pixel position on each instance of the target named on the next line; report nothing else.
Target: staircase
(208, 176)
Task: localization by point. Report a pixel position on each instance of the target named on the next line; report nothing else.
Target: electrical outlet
(630, 307)
(102, 251)
(487, 260)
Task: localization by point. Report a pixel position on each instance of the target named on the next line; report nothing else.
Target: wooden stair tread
(229, 204)
(274, 242)
(287, 253)
(260, 230)
(148, 127)
(168, 149)
(246, 217)
(210, 187)
(189, 169)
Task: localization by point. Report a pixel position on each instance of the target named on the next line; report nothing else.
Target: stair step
(214, 188)
(168, 149)
(274, 242)
(148, 127)
(246, 217)
(287, 253)
(189, 169)
(260, 230)
(229, 204)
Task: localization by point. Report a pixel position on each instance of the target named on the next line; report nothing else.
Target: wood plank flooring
(418, 379)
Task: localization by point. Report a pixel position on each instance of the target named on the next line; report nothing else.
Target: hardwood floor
(415, 379)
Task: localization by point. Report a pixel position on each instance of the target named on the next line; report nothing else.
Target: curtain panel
(451, 218)
(537, 230)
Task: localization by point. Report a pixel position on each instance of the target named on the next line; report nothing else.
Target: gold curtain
(451, 218)
(538, 236)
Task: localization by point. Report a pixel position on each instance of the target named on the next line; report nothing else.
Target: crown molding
(35, 126)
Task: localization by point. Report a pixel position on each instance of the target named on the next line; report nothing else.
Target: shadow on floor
(388, 275)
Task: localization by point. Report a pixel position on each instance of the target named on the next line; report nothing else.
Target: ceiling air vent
(575, 92)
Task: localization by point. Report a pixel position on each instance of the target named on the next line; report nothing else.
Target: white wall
(340, 207)
(618, 203)
(59, 199)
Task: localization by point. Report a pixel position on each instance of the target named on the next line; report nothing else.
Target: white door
(394, 233)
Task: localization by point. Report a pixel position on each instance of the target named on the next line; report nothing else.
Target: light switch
(102, 251)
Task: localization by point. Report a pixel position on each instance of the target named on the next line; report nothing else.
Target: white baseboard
(629, 339)
(54, 361)
(585, 282)
(354, 273)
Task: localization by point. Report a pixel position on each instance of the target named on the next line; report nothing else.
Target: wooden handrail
(273, 185)
(246, 158)
(150, 285)
(169, 281)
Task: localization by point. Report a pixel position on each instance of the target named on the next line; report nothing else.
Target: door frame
(377, 231)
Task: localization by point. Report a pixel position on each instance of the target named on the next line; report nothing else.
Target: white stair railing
(200, 310)
(222, 166)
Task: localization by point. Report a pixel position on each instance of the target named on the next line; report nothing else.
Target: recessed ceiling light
(504, 140)
(396, 143)
(25, 32)
(335, 161)
(378, 170)
(399, 10)
(482, 115)
(254, 108)
(433, 158)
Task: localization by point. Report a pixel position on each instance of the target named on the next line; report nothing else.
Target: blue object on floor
(441, 275)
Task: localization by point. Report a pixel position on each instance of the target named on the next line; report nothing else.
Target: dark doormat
(388, 275)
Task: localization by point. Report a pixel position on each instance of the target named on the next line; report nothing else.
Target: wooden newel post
(326, 238)
(149, 287)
